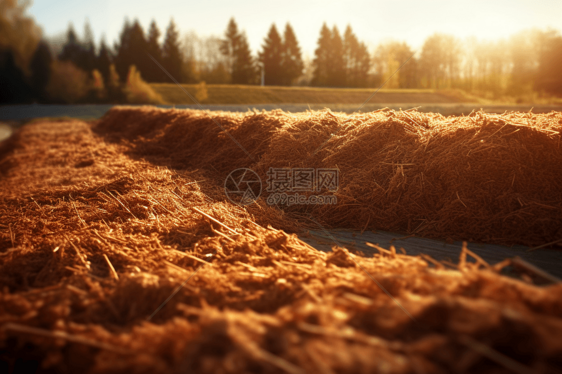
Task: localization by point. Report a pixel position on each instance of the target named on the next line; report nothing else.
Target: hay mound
(488, 178)
(113, 263)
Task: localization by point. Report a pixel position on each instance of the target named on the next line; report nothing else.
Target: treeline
(528, 61)
(32, 69)
(340, 61)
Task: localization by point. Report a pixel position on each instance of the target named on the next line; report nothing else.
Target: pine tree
(155, 74)
(239, 58)
(329, 62)
(121, 60)
(72, 50)
(244, 70)
(122, 48)
(350, 47)
(230, 44)
(172, 58)
(81, 53)
(131, 50)
(103, 61)
(272, 58)
(40, 67)
(357, 60)
(322, 57)
(336, 68)
(292, 63)
(362, 66)
(88, 54)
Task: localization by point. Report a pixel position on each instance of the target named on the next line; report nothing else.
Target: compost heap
(120, 253)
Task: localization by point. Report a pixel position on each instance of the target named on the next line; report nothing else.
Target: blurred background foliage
(34, 68)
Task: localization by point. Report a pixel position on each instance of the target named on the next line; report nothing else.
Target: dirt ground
(119, 252)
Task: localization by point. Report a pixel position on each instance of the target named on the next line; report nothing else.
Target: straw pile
(487, 178)
(113, 263)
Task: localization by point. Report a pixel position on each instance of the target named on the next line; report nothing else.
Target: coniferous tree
(272, 58)
(121, 61)
(362, 66)
(87, 60)
(81, 53)
(72, 50)
(322, 57)
(329, 62)
(292, 63)
(40, 67)
(131, 50)
(138, 56)
(172, 58)
(336, 68)
(238, 56)
(104, 61)
(229, 44)
(155, 74)
(244, 71)
(357, 60)
(350, 48)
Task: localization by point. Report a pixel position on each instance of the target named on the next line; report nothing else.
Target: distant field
(238, 94)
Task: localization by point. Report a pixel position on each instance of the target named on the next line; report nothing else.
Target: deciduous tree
(393, 61)
(18, 32)
(209, 64)
(549, 76)
(440, 61)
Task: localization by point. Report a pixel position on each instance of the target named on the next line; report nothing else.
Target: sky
(373, 21)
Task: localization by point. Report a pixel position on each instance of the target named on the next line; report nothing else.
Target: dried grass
(488, 178)
(100, 228)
